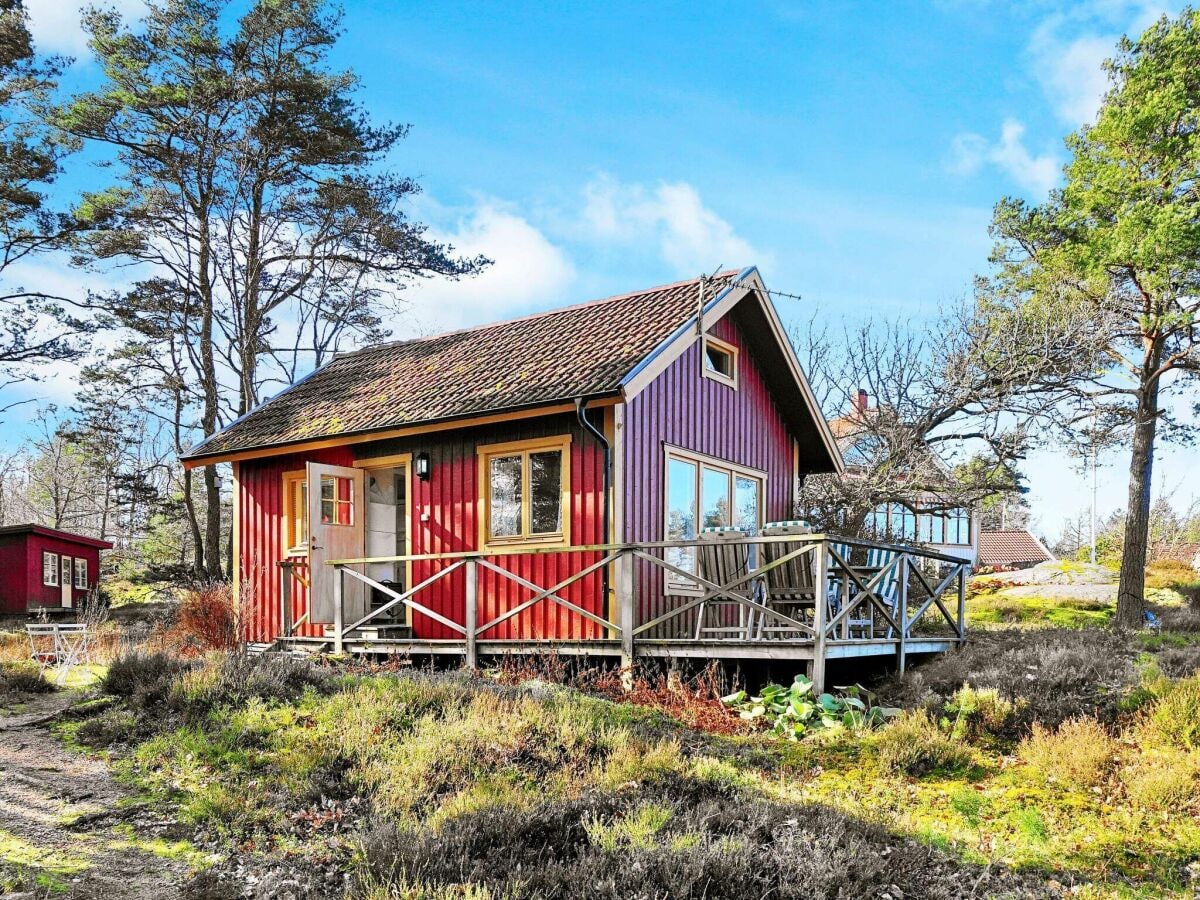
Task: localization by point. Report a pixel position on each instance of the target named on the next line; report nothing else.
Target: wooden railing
(894, 602)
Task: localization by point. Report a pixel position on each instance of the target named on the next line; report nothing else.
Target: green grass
(24, 866)
(433, 752)
(1049, 612)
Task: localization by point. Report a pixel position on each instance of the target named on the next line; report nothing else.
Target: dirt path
(43, 785)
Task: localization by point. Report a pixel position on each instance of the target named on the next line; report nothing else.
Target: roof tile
(584, 350)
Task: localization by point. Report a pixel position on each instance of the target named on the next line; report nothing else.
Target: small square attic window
(720, 361)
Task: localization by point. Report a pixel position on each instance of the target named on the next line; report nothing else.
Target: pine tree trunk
(1131, 602)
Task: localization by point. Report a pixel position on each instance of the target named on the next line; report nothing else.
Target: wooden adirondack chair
(722, 561)
(790, 587)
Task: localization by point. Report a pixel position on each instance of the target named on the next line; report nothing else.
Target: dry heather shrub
(1163, 781)
(1080, 751)
(1175, 719)
(14, 646)
(23, 678)
(207, 620)
(913, 744)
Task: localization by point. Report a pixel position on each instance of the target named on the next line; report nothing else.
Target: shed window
(66, 571)
(720, 361)
(81, 579)
(524, 487)
(337, 500)
(295, 513)
(50, 569)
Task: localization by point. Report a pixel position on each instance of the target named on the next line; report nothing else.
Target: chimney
(860, 402)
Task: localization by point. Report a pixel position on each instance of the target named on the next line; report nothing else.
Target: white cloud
(528, 270)
(1036, 174)
(1068, 51)
(689, 236)
(55, 26)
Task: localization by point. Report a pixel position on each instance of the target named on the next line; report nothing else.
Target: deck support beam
(470, 613)
(820, 609)
(902, 600)
(339, 591)
(625, 613)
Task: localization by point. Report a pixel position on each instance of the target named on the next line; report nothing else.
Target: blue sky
(852, 151)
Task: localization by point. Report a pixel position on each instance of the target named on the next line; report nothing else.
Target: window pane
(681, 512)
(545, 492)
(300, 513)
(337, 500)
(745, 492)
(66, 570)
(505, 479)
(50, 569)
(937, 528)
(714, 491)
(718, 360)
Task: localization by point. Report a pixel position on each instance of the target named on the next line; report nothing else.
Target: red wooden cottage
(638, 418)
(44, 568)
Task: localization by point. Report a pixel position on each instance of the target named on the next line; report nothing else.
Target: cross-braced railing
(796, 590)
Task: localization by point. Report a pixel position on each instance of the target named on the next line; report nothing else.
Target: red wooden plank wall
(443, 519)
(684, 409)
(260, 532)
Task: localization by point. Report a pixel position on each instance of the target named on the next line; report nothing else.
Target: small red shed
(44, 568)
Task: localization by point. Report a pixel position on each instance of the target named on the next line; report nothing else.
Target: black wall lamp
(422, 466)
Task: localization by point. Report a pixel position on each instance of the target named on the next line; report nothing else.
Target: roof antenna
(704, 280)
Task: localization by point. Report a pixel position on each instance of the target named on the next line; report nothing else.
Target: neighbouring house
(639, 418)
(924, 517)
(1014, 548)
(46, 569)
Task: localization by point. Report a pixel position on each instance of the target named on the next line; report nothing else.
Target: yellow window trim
(724, 347)
(290, 519)
(484, 453)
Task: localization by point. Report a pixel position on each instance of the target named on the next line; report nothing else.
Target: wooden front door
(336, 512)
(65, 574)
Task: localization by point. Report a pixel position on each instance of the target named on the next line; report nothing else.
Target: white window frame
(725, 347)
(81, 568)
(47, 555)
(676, 585)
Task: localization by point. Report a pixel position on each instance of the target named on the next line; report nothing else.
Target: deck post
(625, 605)
(901, 659)
(338, 591)
(285, 599)
(821, 567)
(471, 613)
(962, 604)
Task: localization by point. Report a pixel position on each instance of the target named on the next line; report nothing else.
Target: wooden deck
(879, 600)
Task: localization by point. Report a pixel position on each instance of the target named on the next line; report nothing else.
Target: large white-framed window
(703, 492)
(719, 361)
(81, 578)
(49, 569)
(524, 492)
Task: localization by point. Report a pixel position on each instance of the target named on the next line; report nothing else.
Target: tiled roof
(1011, 547)
(556, 356)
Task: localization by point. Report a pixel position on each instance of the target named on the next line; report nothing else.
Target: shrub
(1163, 781)
(23, 678)
(914, 744)
(206, 620)
(144, 678)
(978, 714)
(795, 710)
(1079, 752)
(1175, 718)
(1180, 662)
(675, 842)
(1050, 675)
(238, 677)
